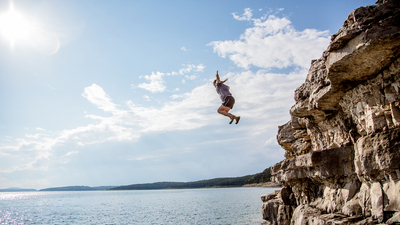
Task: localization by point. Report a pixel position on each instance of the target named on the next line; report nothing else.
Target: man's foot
(232, 118)
(237, 119)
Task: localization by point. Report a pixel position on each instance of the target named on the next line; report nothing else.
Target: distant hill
(216, 182)
(77, 188)
(262, 177)
(16, 189)
(148, 186)
(258, 178)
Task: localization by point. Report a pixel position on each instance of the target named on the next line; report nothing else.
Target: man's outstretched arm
(219, 80)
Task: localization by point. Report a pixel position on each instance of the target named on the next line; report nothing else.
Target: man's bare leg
(224, 110)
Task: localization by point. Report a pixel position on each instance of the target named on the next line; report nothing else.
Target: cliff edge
(342, 145)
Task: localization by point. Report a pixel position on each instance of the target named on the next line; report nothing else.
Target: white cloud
(246, 15)
(122, 125)
(156, 82)
(273, 42)
(33, 136)
(189, 68)
(190, 113)
(183, 49)
(264, 97)
(96, 95)
(191, 77)
(173, 73)
(175, 96)
(28, 166)
(146, 97)
(6, 138)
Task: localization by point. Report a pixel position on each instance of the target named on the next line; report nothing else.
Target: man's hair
(215, 81)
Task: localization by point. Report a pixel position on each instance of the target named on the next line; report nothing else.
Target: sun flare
(14, 26)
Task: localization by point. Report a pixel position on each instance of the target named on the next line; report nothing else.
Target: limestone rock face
(342, 145)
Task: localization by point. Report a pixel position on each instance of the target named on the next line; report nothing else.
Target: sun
(14, 26)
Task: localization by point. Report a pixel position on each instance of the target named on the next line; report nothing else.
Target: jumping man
(227, 100)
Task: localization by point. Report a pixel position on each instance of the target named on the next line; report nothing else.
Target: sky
(102, 92)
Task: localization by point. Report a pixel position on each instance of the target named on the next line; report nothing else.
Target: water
(185, 206)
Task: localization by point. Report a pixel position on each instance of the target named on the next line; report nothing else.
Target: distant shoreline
(266, 184)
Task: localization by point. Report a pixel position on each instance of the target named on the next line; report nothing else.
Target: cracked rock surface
(342, 145)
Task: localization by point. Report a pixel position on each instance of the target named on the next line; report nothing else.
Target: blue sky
(120, 92)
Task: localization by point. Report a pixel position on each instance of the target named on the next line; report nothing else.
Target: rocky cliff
(342, 144)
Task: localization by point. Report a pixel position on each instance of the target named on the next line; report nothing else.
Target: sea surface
(176, 206)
